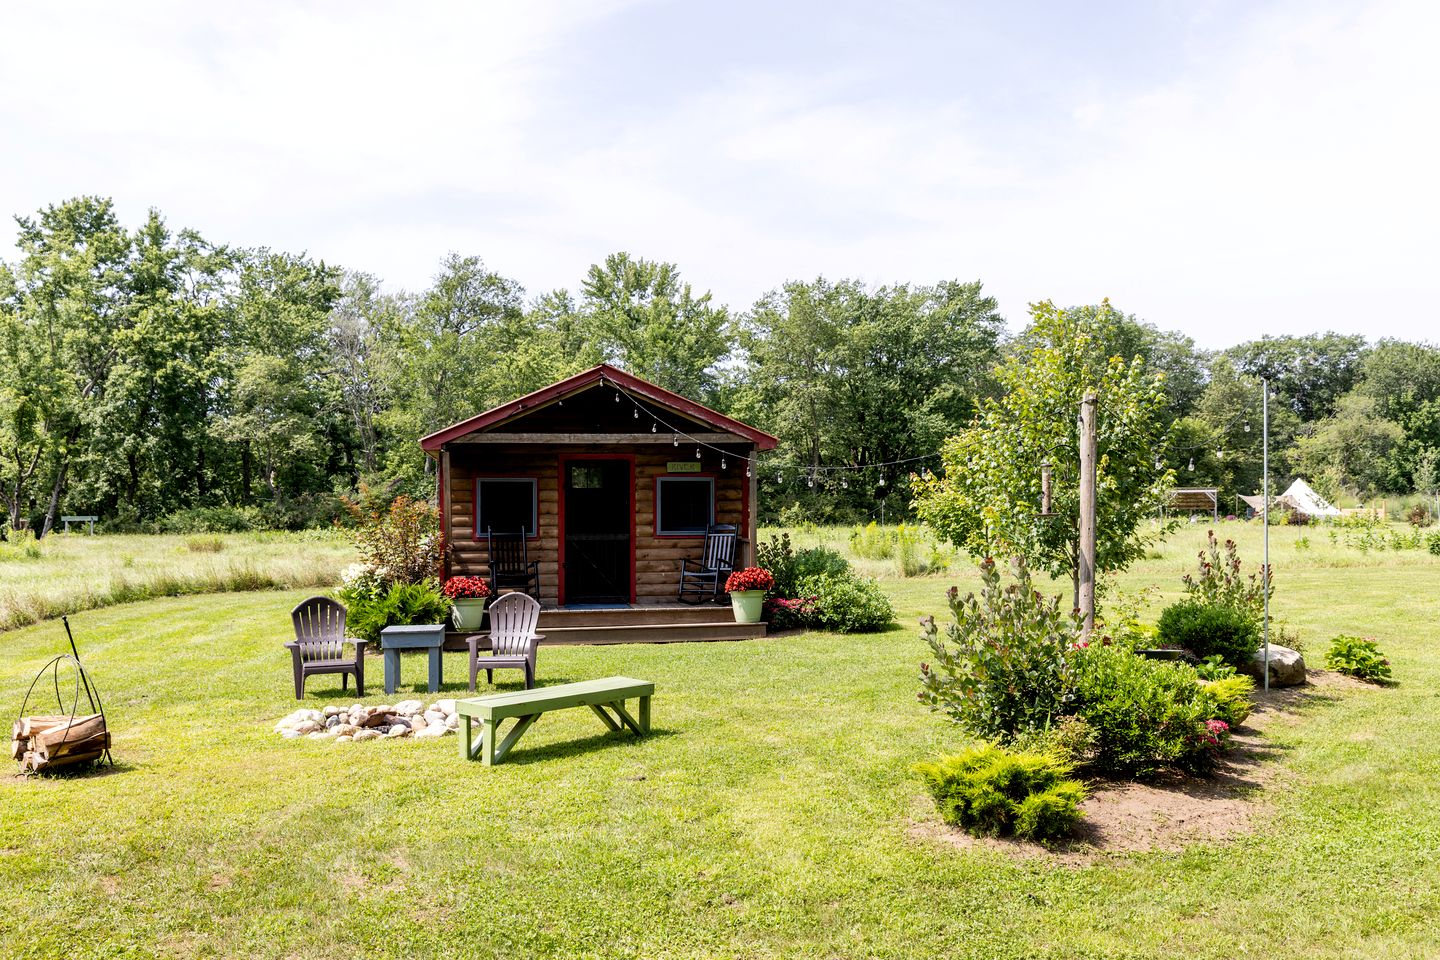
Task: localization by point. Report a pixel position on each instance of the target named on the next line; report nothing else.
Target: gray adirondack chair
(704, 579)
(513, 640)
(319, 645)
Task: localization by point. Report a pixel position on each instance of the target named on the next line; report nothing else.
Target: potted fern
(747, 589)
(467, 601)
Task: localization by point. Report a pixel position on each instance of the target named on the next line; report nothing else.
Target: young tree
(988, 500)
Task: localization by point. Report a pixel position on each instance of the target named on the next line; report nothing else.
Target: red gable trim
(588, 378)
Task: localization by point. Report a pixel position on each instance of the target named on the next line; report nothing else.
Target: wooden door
(597, 526)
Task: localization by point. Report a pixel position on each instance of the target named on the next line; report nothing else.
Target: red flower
(751, 578)
(466, 588)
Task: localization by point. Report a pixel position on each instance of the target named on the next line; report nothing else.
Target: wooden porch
(645, 622)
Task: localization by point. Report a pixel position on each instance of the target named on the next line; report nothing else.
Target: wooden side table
(420, 637)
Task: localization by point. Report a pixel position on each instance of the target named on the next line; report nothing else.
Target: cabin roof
(585, 380)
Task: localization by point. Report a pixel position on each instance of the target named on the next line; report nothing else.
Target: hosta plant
(1359, 657)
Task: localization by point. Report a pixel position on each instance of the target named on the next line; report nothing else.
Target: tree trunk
(246, 468)
(54, 507)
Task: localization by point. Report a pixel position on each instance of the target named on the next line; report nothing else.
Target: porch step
(556, 618)
(653, 632)
(632, 632)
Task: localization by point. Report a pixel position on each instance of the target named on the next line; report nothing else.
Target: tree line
(148, 370)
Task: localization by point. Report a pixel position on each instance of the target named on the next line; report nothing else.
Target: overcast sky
(1223, 168)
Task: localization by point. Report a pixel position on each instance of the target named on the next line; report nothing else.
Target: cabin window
(684, 506)
(505, 505)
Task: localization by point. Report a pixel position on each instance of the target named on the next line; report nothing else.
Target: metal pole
(1265, 457)
(1087, 511)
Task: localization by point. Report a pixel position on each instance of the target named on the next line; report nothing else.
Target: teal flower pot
(468, 614)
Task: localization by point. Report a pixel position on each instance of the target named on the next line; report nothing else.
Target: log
(96, 744)
(83, 728)
(18, 748)
(27, 727)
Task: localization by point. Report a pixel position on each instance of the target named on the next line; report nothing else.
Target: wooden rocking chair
(510, 565)
(704, 579)
(319, 645)
(513, 640)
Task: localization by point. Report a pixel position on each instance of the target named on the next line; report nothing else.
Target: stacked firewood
(51, 742)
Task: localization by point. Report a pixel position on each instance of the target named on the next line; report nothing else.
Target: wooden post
(442, 485)
(1087, 511)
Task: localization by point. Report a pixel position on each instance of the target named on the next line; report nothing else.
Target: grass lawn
(64, 573)
(771, 815)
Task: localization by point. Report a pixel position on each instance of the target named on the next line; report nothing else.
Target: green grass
(771, 816)
(66, 573)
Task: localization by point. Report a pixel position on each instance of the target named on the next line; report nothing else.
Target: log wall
(657, 559)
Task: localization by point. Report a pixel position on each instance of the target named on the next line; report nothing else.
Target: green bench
(525, 706)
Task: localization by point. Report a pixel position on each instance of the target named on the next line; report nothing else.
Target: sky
(1226, 169)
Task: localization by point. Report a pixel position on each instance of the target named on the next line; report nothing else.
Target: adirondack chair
(513, 640)
(319, 645)
(704, 579)
(510, 565)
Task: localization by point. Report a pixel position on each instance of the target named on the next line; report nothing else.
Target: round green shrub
(1209, 630)
(1143, 714)
(846, 603)
(371, 608)
(991, 791)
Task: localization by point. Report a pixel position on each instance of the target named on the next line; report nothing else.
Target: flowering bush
(466, 588)
(1006, 668)
(1220, 583)
(847, 603)
(783, 613)
(400, 544)
(751, 578)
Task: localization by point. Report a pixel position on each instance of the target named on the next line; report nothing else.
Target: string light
(637, 413)
(677, 439)
(652, 428)
(697, 453)
(1247, 426)
(1219, 454)
(723, 465)
(747, 468)
(1192, 465)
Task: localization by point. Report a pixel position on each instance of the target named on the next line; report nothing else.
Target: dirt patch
(1174, 810)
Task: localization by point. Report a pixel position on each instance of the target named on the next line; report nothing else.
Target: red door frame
(563, 477)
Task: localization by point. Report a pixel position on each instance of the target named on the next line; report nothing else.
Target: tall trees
(854, 377)
(1309, 373)
(643, 318)
(988, 500)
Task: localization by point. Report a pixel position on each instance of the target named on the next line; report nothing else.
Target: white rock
(344, 730)
(290, 734)
(1287, 667)
(344, 738)
(366, 735)
(417, 723)
(308, 726)
(387, 708)
(397, 731)
(434, 730)
(408, 708)
(318, 735)
(446, 707)
(452, 721)
(332, 710)
(434, 716)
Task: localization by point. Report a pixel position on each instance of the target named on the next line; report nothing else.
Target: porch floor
(644, 622)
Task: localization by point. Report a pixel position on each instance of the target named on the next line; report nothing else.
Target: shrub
(1230, 698)
(1358, 657)
(991, 791)
(210, 520)
(1070, 739)
(1207, 629)
(846, 603)
(789, 566)
(401, 543)
(1220, 583)
(399, 604)
(783, 613)
(871, 542)
(1145, 714)
(1005, 669)
(1418, 516)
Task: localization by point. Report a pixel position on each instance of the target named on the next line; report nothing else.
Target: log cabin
(614, 481)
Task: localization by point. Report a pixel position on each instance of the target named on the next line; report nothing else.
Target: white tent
(1309, 502)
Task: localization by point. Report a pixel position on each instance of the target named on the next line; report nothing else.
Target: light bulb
(1159, 465)
(697, 453)
(617, 396)
(812, 481)
(723, 464)
(747, 468)
(677, 439)
(652, 428)
(882, 481)
(1192, 464)
(1219, 454)
(1247, 426)
(637, 413)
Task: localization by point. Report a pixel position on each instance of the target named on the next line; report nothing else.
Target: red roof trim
(588, 378)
